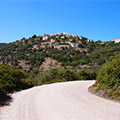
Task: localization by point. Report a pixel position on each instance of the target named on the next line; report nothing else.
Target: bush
(66, 74)
(25, 83)
(58, 74)
(86, 75)
(2, 92)
(12, 79)
(40, 77)
(109, 78)
(56, 80)
(49, 76)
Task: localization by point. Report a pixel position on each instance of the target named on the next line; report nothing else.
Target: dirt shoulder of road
(100, 93)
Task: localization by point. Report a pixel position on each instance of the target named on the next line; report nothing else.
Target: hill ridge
(68, 50)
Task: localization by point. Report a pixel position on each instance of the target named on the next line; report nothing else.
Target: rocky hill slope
(57, 50)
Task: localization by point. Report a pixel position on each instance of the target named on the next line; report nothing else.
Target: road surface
(60, 101)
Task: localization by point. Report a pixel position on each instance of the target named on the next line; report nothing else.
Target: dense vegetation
(11, 80)
(108, 78)
(59, 75)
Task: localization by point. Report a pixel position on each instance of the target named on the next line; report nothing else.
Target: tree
(34, 36)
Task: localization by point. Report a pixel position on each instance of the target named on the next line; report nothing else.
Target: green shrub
(40, 77)
(109, 77)
(86, 74)
(25, 83)
(12, 79)
(56, 80)
(2, 92)
(58, 74)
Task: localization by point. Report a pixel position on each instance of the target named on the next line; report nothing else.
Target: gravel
(60, 101)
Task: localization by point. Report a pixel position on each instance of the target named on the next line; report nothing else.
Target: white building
(45, 38)
(62, 37)
(28, 38)
(80, 37)
(73, 45)
(57, 36)
(89, 40)
(116, 40)
(52, 40)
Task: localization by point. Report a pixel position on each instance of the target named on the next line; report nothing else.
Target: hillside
(1, 44)
(57, 50)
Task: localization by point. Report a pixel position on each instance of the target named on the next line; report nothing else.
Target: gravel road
(60, 101)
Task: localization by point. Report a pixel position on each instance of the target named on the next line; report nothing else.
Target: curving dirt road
(60, 101)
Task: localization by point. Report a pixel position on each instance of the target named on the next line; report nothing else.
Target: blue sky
(98, 20)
